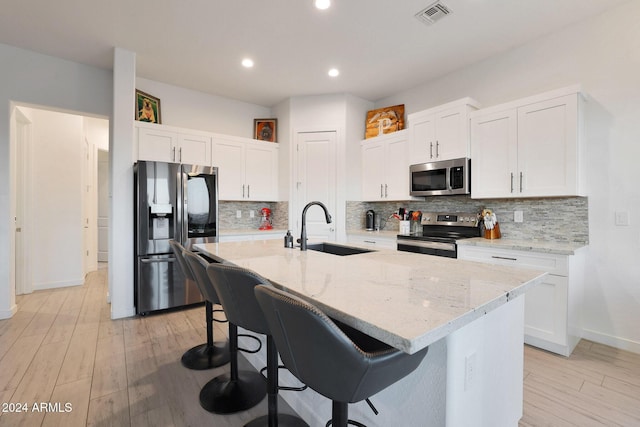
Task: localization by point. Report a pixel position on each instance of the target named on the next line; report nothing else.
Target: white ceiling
(379, 46)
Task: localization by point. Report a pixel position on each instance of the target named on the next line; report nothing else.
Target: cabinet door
(422, 139)
(547, 147)
(396, 167)
(194, 149)
(545, 313)
(494, 155)
(157, 145)
(261, 172)
(373, 171)
(229, 158)
(452, 140)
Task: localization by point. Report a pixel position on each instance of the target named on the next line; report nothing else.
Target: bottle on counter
(288, 240)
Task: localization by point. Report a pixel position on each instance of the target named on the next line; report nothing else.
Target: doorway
(316, 180)
(55, 196)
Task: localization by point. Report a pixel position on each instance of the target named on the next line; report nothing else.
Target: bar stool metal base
(204, 356)
(222, 395)
(284, 420)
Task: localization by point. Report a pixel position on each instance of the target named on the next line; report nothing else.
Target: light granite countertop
(556, 248)
(251, 231)
(406, 300)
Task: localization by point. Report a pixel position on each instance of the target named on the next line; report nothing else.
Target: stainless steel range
(439, 234)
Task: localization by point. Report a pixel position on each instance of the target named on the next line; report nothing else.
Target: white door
(316, 181)
(22, 226)
(103, 206)
(89, 220)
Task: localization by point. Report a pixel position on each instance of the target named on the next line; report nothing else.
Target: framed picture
(384, 120)
(147, 107)
(265, 129)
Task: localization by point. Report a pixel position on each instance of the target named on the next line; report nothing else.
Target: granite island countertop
(540, 246)
(406, 300)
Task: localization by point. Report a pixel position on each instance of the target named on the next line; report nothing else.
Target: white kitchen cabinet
(373, 240)
(385, 167)
(553, 307)
(440, 133)
(165, 144)
(247, 169)
(529, 148)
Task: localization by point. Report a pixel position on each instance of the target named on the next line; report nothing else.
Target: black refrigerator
(172, 201)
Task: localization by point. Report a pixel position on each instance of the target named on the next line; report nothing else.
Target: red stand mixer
(265, 222)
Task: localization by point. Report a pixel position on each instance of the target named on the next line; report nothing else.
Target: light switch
(622, 218)
(238, 214)
(252, 214)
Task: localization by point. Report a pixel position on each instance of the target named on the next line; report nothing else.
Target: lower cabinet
(373, 241)
(553, 307)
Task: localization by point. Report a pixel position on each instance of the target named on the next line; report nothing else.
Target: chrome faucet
(303, 235)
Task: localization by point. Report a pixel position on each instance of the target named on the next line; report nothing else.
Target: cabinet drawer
(553, 264)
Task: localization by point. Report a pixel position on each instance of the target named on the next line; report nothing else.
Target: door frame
(23, 143)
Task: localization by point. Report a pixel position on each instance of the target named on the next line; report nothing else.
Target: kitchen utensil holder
(494, 233)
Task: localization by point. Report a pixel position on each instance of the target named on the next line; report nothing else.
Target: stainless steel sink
(331, 248)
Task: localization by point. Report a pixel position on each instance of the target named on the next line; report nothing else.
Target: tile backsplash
(562, 219)
(228, 221)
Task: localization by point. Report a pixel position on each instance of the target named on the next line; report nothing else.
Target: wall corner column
(121, 267)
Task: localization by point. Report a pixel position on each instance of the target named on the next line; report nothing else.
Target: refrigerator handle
(183, 202)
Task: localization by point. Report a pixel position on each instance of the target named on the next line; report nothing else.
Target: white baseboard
(60, 284)
(7, 314)
(121, 314)
(612, 341)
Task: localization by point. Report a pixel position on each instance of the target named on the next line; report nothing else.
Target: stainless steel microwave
(443, 178)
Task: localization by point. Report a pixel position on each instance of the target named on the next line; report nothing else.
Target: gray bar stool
(235, 287)
(340, 363)
(208, 355)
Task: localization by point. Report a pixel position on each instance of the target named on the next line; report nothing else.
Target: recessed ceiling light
(247, 63)
(322, 4)
(334, 72)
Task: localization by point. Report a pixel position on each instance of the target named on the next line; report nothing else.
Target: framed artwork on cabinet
(265, 129)
(147, 108)
(384, 120)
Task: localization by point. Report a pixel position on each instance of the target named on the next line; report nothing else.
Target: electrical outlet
(252, 214)
(518, 216)
(238, 214)
(622, 218)
(469, 370)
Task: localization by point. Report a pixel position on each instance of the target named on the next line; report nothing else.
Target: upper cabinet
(165, 144)
(440, 133)
(529, 148)
(385, 167)
(247, 169)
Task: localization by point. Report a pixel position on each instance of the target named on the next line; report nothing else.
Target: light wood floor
(61, 347)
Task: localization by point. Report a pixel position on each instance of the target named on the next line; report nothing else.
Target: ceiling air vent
(433, 13)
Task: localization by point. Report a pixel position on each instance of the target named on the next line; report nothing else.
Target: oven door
(427, 247)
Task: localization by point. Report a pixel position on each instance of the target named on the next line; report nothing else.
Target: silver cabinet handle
(381, 193)
(173, 156)
(249, 191)
(504, 257)
(386, 193)
(243, 191)
(521, 182)
(431, 150)
(437, 149)
(512, 182)
(180, 154)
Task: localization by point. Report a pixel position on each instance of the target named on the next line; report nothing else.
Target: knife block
(493, 233)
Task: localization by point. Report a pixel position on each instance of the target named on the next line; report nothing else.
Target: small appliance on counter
(370, 220)
(265, 222)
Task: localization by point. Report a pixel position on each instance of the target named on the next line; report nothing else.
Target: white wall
(603, 54)
(56, 213)
(197, 110)
(31, 78)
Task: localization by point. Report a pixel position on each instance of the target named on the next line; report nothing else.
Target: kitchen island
(469, 314)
